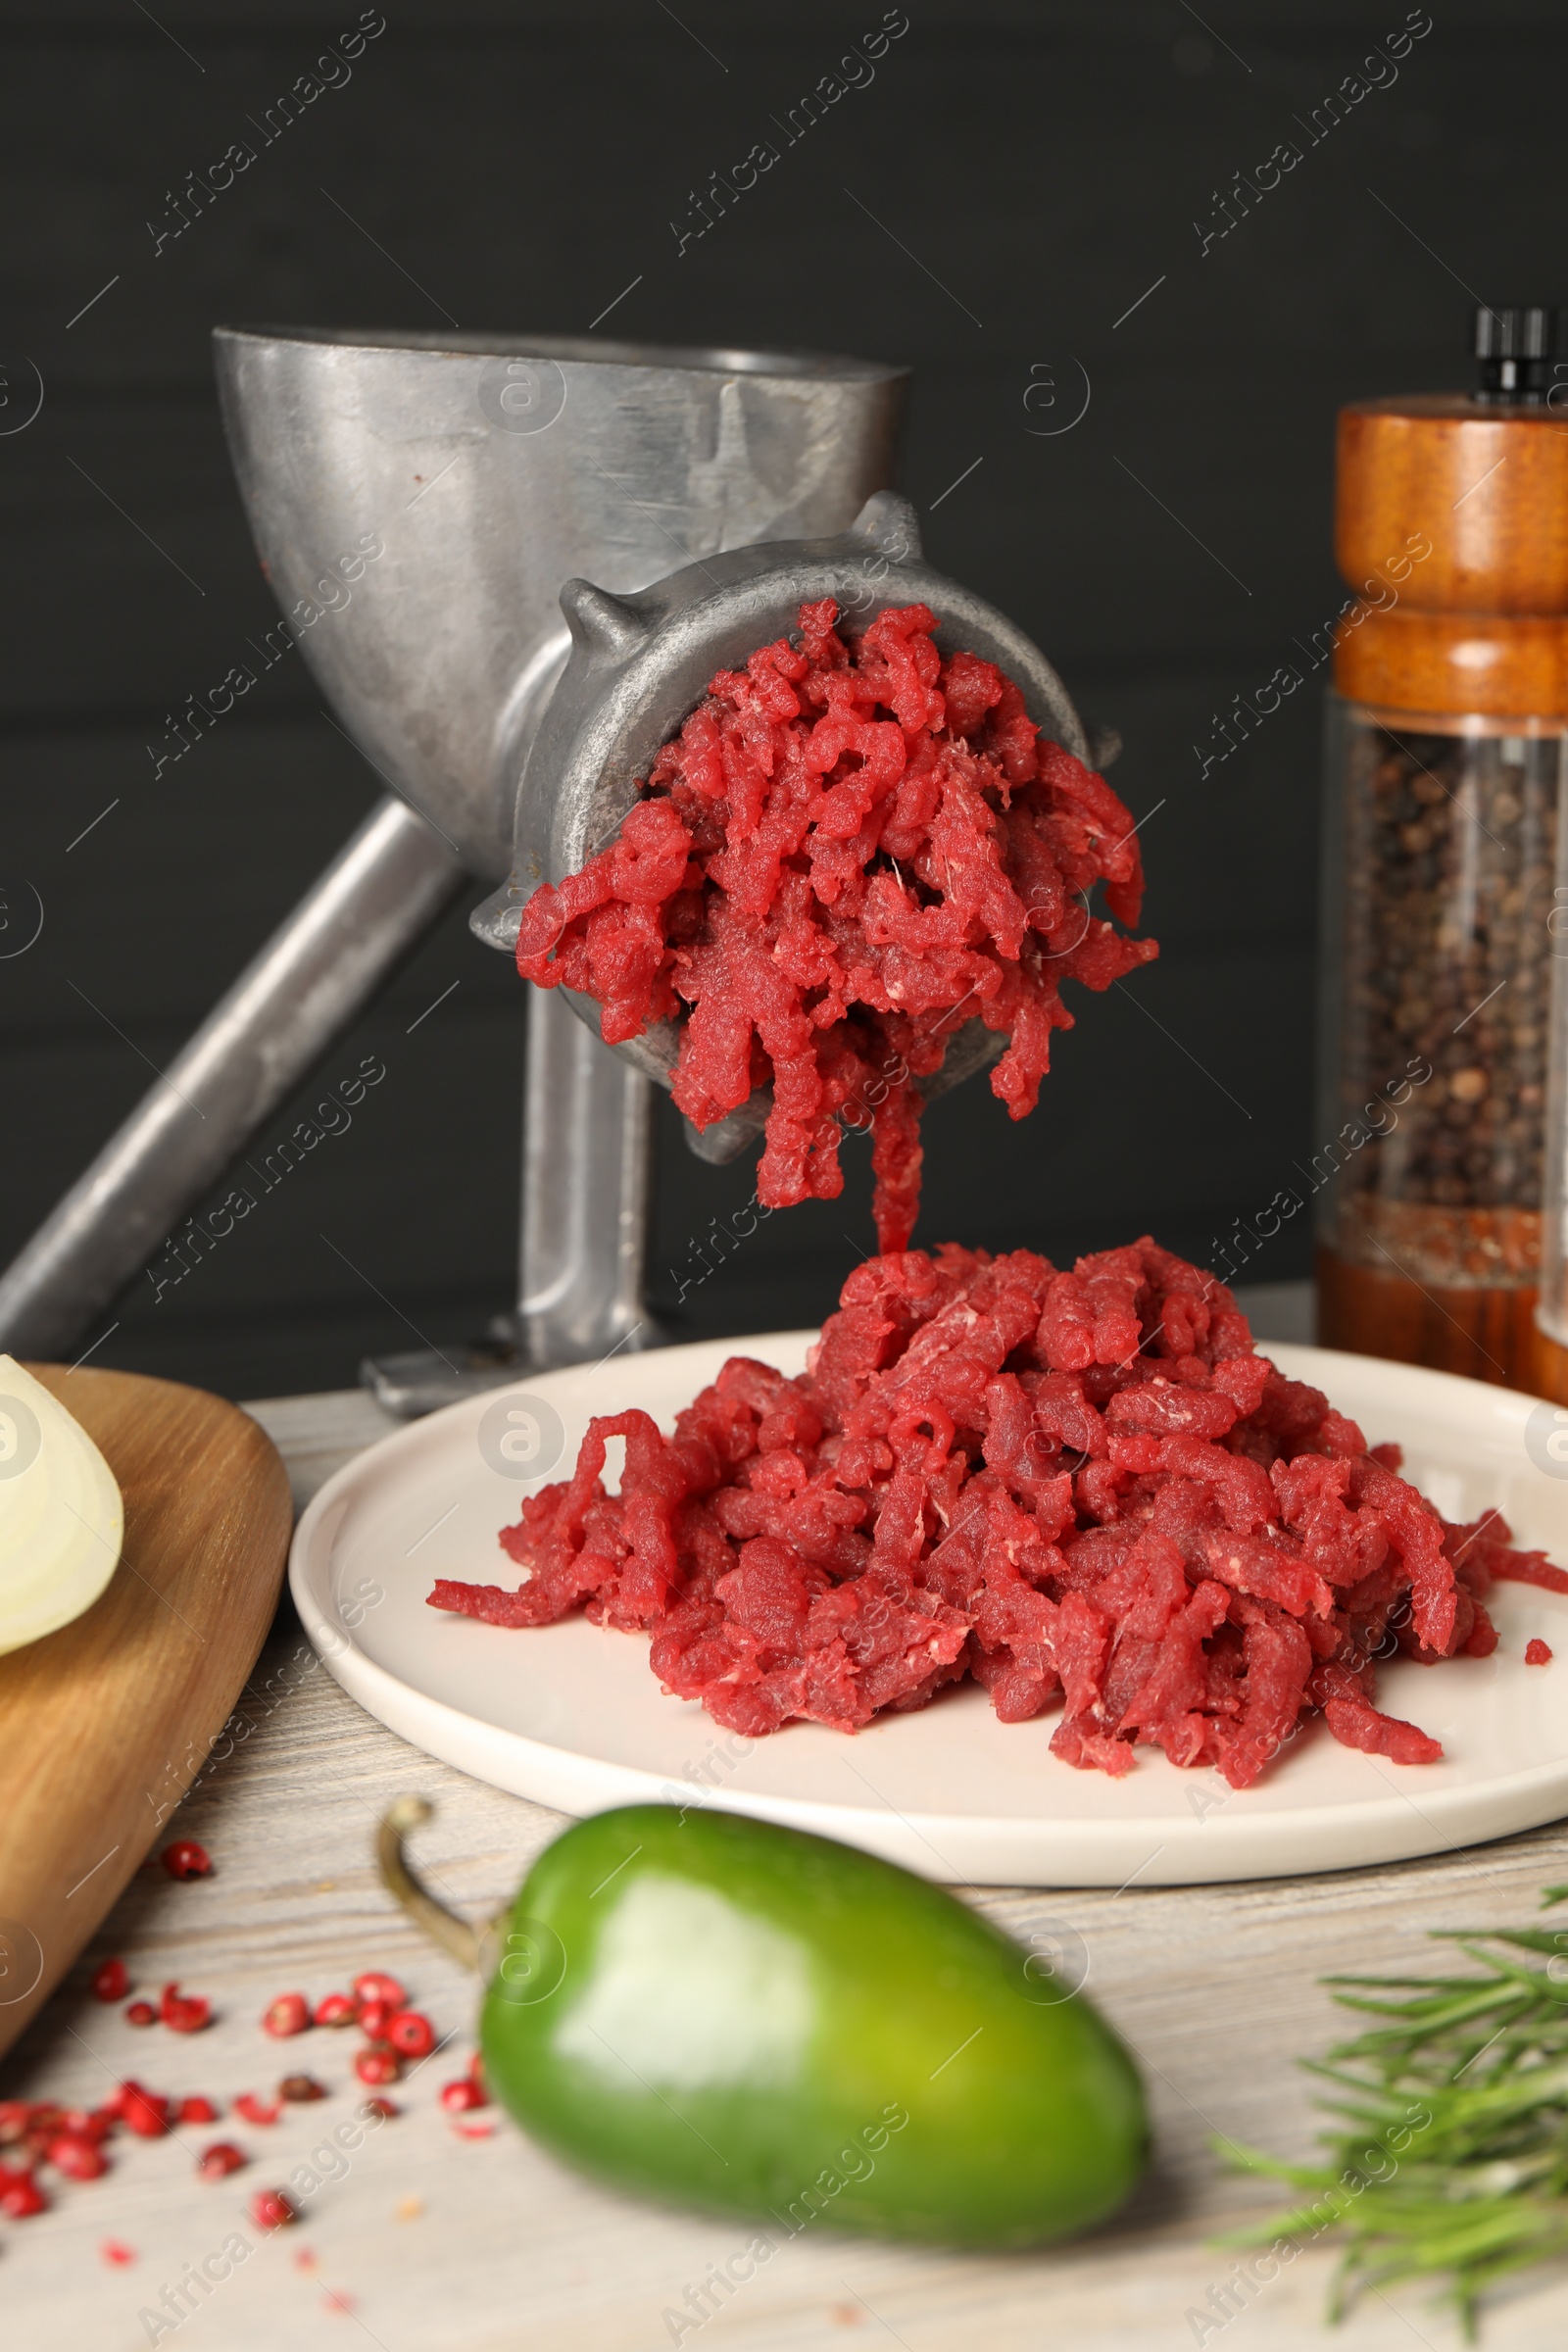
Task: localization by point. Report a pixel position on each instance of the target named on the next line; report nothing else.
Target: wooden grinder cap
(1479, 625)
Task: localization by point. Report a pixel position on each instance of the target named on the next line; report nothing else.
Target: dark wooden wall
(1032, 169)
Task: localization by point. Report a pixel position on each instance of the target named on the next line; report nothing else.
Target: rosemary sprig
(1450, 2162)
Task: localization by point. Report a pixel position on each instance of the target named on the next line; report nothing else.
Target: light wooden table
(431, 2242)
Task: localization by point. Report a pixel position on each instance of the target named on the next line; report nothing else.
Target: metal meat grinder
(512, 709)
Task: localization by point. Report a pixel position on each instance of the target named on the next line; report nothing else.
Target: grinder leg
(587, 1182)
(587, 1175)
(315, 973)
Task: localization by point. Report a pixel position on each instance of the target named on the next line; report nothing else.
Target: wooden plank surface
(103, 1722)
(438, 2242)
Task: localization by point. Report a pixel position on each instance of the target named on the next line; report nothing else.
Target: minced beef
(1086, 1490)
(841, 860)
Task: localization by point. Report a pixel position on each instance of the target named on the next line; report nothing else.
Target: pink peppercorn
(185, 1859)
(410, 2034)
(88, 2122)
(254, 2110)
(184, 2013)
(375, 1986)
(146, 2113)
(73, 2154)
(290, 2014)
(270, 2208)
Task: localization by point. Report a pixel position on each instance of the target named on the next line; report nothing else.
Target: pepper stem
(443, 1927)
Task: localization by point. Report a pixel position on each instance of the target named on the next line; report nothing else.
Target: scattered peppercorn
(458, 2096)
(375, 1986)
(184, 2013)
(410, 2034)
(78, 2156)
(270, 2208)
(375, 2017)
(21, 2197)
(89, 2122)
(111, 1980)
(254, 2110)
(115, 2251)
(288, 2013)
(42, 2132)
(185, 1859)
(145, 2112)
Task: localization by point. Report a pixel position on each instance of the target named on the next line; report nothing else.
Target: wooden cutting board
(105, 1722)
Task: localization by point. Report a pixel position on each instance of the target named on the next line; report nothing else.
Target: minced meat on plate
(1086, 1490)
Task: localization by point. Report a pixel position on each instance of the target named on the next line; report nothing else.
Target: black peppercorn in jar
(1431, 1118)
(1548, 1367)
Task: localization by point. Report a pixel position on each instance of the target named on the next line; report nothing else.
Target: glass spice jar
(1446, 761)
(1448, 848)
(1550, 1358)
(1548, 1367)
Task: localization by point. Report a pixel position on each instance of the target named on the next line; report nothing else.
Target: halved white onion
(62, 1520)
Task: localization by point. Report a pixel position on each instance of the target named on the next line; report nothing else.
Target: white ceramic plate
(572, 1717)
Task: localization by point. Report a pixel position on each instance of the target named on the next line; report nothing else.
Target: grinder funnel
(494, 469)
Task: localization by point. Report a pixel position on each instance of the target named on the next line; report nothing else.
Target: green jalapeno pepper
(715, 2011)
